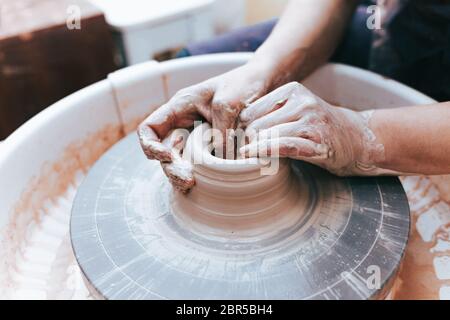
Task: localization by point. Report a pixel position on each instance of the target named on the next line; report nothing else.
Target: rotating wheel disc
(129, 245)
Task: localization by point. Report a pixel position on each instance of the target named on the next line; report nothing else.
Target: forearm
(415, 139)
(305, 37)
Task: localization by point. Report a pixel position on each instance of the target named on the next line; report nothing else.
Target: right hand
(218, 100)
(304, 127)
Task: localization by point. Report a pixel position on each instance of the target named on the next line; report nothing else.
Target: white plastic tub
(44, 160)
(151, 27)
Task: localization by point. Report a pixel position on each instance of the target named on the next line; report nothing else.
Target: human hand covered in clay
(218, 100)
(307, 128)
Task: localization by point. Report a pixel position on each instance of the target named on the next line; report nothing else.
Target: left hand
(218, 100)
(309, 129)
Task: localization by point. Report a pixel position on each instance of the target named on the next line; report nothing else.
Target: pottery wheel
(347, 243)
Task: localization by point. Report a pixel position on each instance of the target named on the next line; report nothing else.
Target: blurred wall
(229, 14)
(260, 10)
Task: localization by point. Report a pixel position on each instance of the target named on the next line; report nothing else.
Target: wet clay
(234, 197)
(47, 199)
(442, 183)
(425, 273)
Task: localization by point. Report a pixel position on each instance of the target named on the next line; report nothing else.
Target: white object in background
(138, 91)
(148, 27)
(229, 15)
(261, 10)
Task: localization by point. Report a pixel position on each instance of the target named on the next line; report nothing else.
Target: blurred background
(52, 48)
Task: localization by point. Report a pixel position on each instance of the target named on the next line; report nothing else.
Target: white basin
(44, 160)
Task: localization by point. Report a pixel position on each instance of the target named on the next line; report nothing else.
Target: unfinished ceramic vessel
(236, 198)
(298, 234)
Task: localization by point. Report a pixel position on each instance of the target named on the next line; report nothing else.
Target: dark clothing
(246, 39)
(353, 50)
(412, 46)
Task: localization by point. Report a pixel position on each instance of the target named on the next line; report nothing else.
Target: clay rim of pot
(199, 148)
(233, 189)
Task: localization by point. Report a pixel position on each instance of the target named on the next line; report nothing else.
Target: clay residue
(418, 278)
(443, 185)
(57, 177)
(53, 181)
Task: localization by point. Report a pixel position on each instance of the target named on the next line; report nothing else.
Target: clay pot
(251, 197)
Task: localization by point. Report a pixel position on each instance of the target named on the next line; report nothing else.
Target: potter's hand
(218, 100)
(312, 130)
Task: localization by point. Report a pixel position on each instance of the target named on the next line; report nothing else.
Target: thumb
(224, 120)
(152, 147)
(179, 171)
(289, 147)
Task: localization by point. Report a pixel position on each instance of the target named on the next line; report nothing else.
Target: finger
(268, 103)
(292, 96)
(292, 129)
(180, 174)
(151, 146)
(162, 120)
(292, 111)
(176, 140)
(254, 111)
(284, 115)
(179, 170)
(154, 129)
(180, 112)
(224, 120)
(296, 148)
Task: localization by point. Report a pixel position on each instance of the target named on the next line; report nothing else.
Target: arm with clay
(293, 122)
(416, 139)
(305, 37)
